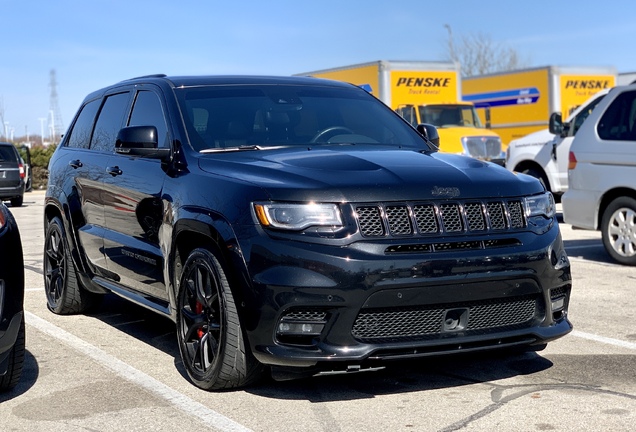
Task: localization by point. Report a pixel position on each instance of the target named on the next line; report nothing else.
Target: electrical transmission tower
(56, 126)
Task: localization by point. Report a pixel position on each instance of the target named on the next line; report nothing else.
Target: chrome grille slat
(430, 218)
(496, 215)
(399, 220)
(475, 217)
(451, 218)
(426, 219)
(370, 221)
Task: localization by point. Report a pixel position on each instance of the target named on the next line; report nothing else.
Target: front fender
(200, 227)
(57, 203)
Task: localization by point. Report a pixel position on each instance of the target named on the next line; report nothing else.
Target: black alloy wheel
(211, 341)
(64, 295)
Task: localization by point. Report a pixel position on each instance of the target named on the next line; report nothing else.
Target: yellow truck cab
(459, 127)
(425, 92)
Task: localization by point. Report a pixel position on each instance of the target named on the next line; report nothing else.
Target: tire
(16, 362)
(64, 294)
(538, 175)
(17, 202)
(618, 226)
(211, 341)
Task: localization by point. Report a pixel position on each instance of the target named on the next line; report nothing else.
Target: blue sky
(94, 43)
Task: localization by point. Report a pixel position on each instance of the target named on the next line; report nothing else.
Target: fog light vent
(557, 300)
(300, 326)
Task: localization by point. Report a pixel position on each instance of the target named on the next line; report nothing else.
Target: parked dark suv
(12, 175)
(298, 224)
(12, 334)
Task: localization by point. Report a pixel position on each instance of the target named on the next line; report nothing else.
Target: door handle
(114, 171)
(76, 163)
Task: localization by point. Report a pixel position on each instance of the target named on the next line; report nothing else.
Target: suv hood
(364, 173)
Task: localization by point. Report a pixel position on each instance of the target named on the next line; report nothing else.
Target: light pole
(42, 119)
(6, 131)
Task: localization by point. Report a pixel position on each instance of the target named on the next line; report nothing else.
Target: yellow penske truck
(517, 103)
(425, 92)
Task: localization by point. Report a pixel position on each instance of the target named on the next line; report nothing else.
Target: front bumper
(12, 191)
(580, 208)
(312, 304)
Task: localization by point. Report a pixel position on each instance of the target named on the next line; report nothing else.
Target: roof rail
(146, 76)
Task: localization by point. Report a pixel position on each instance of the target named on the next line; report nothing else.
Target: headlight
(298, 216)
(540, 205)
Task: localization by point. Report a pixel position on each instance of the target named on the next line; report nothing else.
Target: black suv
(12, 334)
(12, 175)
(298, 224)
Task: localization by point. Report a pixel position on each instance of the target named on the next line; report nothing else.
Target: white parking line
(191, 407)
(605, 340)
(33, 289)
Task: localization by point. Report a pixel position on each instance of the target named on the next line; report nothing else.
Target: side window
(80, 135)
(109, 122)
(618, 121)
(147, 112)
(580, 118)
(408, 113)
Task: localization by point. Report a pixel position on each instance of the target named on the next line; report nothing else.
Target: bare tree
(478, 54)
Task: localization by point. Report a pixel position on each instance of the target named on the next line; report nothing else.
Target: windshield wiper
(231, 149)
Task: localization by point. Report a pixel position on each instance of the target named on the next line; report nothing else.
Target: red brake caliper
(199, 309)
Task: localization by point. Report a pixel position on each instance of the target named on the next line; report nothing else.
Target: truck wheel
(618, 227)
(538, 175)
(211, 340)
(64, 294)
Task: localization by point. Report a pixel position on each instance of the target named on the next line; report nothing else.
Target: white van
(602, 174)
(544, 154)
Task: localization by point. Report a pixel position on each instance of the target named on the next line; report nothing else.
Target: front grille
(414, 219)
(484, 148)
(427, 322)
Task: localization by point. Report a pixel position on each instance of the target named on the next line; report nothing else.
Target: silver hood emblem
(451, 192)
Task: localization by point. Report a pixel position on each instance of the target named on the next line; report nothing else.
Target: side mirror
(140, 141)
(429, 132)
(556, 123)
(488, 123)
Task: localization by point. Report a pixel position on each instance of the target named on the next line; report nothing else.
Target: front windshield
(272, 115)
(450, 115)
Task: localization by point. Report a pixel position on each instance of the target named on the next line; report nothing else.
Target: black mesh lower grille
(427, 322)
(558, 292)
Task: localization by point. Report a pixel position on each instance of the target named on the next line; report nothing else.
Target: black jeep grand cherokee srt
(298, 224)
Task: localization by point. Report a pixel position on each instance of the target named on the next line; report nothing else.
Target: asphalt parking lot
(118, 369)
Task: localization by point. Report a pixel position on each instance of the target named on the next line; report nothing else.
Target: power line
(56, 126)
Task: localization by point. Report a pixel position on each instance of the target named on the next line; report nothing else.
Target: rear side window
(80, 135)
(109, 122)
(619, 120)
(8, 154)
